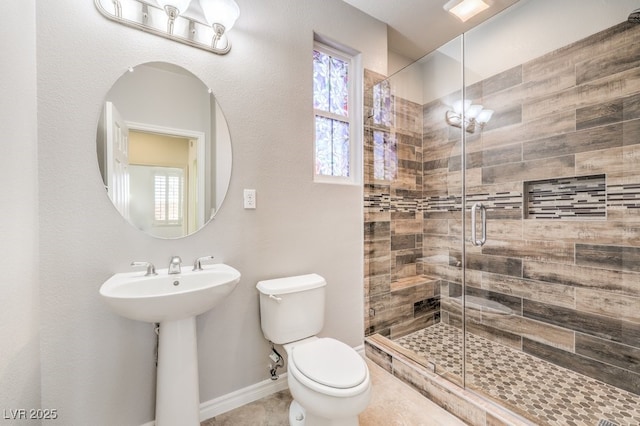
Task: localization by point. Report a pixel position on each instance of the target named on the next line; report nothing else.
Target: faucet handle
(197, 265)
(151, 270)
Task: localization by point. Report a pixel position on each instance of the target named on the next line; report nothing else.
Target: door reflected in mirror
(164, 150)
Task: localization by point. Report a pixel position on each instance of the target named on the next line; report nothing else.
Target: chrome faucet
(174, 265)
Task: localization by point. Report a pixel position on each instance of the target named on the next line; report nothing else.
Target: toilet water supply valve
(277, 362)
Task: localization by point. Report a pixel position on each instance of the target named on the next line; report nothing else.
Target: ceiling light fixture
(465, 9)
(199, 23)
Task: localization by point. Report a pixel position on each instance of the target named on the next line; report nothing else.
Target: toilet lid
(330, 362)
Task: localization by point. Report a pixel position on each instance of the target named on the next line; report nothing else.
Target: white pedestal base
(177, 393)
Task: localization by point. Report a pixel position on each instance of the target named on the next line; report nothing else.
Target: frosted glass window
(332, 97)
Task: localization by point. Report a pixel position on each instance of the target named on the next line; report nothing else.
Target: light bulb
(484, 116)
(472, 111)
(223, 12)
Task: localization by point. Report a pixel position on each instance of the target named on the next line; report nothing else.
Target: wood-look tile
(489, 157)
(495, 264)
(631, 107)
(548, 334)
(556, 294)
(609, 63)
(502, 80)
(512, 302)
(613, 305)
(403, 242)
(542, 251)
(620, 258)
(378, 284)
(600, 114)
(599, 91)
(582, 231)
(567, 56)
(530, 170)
(581, 276)
(594, 325)
(631, 132)
(375, 230)
(615, 376)
(591, 139)
(494, 334)
(622, 356)
(543, 127)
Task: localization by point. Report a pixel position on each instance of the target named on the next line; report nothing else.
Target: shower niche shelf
(569, 198)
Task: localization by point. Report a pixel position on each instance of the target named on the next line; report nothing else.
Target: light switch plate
(249, 198)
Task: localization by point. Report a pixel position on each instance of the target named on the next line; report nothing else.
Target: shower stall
(502, 218)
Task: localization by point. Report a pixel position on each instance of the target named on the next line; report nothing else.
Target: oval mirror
(164, 150)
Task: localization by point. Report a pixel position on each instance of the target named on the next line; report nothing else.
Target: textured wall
(19, 326)
(98, 368)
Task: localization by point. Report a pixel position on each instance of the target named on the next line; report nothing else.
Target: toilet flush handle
(277, 299)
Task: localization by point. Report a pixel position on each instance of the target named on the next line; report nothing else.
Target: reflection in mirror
(164, 150)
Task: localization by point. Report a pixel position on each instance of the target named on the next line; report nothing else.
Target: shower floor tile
(541, 391)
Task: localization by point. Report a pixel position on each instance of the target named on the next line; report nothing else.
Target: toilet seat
(330, 367)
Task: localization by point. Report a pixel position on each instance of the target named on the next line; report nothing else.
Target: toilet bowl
(328, 380)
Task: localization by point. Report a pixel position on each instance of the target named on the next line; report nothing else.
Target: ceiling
(417, 27)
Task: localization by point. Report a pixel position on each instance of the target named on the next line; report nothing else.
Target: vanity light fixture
(465, 9)
(468, 116)
(199, 23)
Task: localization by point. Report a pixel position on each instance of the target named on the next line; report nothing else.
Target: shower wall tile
(602, 90)
(571, 319)
(502, 81)
(543, 127)
(584, 277)
(600, 114)
(530, 170)
(571, 143)
(603, 350)
(611, 305)
(556, 294)
(557, 337)
(570, 113)
(621, 378)
(620, 258)
(612, 62)
(542, 251)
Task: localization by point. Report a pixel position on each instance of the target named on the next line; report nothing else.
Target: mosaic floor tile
(543, 392)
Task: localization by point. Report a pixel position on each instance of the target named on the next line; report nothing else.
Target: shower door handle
(483, 217)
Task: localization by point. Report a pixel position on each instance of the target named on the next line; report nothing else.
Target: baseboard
(228, 402)
(241, 397)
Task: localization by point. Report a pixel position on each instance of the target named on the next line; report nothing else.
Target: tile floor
(529, 386)
(393, 403)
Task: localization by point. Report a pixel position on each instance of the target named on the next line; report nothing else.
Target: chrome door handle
(483, 217)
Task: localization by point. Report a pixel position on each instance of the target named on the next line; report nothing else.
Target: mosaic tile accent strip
(624, 195)
(541, 391)
(582, 197)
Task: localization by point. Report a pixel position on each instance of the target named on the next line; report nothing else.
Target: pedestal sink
(173, 301)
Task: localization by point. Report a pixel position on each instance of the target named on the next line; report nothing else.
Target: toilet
(329, 380)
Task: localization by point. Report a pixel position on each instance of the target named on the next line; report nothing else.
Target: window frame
(354, 117)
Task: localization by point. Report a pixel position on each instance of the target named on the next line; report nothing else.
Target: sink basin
(165, 297)
(173, 301)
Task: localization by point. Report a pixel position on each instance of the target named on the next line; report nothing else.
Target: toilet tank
(292, 308)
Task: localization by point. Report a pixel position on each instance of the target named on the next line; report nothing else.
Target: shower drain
(605, 422)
